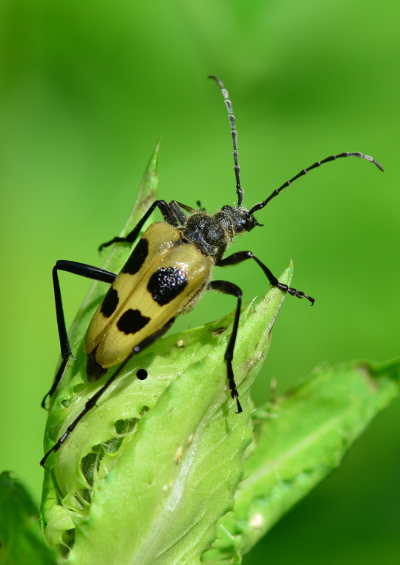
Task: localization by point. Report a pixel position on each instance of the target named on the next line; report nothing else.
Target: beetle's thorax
(212, 234)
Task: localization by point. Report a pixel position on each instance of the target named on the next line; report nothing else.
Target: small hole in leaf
(79, 387)
(113, 445)
(219, 331)
(85, 495)
(123, 427)
(68, 537)
(63, 549)
(90, 465)
(142, 374)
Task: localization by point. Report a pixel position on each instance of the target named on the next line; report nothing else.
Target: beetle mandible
(168, 270)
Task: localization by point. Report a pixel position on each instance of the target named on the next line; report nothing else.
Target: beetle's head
(241, 219)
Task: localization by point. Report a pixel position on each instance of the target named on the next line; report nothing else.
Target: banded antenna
(228, 104)
(261, 205)
(239, 189)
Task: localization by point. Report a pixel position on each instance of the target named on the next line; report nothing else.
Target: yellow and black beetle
(169, 269)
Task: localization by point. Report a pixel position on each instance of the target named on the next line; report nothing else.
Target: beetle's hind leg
(227, 287)
(88, 406)
(91, 403)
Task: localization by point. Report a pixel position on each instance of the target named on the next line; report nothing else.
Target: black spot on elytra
(137, 258)
(166, 283)
(110, 302)
(132, 321)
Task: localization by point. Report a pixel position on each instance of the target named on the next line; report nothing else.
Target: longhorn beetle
(168, 270)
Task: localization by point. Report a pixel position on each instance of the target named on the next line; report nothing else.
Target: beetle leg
(230, 288)
(166, 212)
(177, 207)
(188, 208)
(83, 270)
(241, 256)
(93, 399)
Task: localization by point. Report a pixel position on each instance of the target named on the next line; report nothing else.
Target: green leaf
(148, 472)
(21, 541)
(302, 438)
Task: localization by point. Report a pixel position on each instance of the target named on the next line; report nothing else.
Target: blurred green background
(86, 90)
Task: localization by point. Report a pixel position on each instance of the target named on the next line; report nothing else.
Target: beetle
(165, 275)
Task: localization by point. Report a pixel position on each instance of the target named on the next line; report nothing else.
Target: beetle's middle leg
(241, 256)
(227, 287)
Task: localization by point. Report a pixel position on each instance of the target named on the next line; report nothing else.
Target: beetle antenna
(261, 205)
(228, 104)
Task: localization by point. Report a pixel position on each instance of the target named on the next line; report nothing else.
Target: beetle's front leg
(166, 212)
